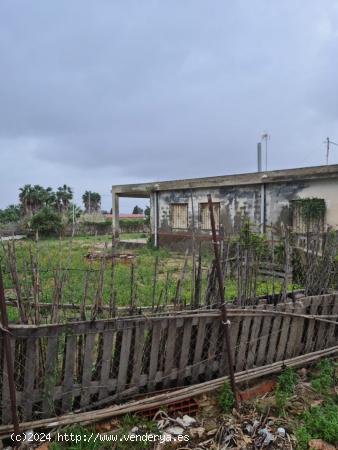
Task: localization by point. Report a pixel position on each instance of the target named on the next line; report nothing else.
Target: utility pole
(328, 142)
(89, 203)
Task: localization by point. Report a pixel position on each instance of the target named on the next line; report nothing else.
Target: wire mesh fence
(56, 285)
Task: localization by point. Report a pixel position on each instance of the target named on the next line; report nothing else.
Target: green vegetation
(284, 388)
(53, 254)
(10, 214)
(318, 422)
(144, 426)
(311, 208)
(91, 201)
(84, 443)
(46, 221)
(323, 378)
(226, 398)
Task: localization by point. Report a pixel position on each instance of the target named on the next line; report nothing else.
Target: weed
(226, 398)
(82, 435)
(145, 427)
(323, 378)
(284, 388)
(319, 422)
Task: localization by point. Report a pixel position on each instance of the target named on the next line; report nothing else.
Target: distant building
(179, 208)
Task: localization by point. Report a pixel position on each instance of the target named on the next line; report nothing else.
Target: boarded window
(179, 215)
(205, 223)
(308, 216)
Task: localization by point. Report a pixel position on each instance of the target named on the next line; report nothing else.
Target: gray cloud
(101, 93)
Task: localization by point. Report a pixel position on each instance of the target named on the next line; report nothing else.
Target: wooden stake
(8, 354)
(223, 309)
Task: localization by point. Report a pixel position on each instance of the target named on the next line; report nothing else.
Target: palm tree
(33, 198)
(91, 201)
(26, 199)
(64, 195)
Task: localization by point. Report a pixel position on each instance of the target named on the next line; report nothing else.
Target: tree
(147, 214)
(64, 195)
(32, 198)
(10, 214)
(26, 199)
(46, 221)
(137, 210)
(147, 211)
(91, 201)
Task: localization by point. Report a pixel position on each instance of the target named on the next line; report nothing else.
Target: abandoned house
(179, 208)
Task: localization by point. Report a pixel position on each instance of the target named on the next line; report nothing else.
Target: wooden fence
(73, 366)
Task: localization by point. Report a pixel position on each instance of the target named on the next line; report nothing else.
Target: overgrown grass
(69, 254)
(284, 388)
(86, 436)
(318, 422)
(84, 442)
(323, 377)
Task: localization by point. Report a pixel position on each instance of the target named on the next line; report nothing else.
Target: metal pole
(259, 157)
(8, 355)
(327, 150)
(223, 309)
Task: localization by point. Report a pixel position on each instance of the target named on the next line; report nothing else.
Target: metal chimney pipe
(259, 157)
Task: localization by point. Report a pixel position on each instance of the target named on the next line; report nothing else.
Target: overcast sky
(95, 93)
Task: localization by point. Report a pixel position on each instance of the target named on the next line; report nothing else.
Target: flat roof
(271, 176)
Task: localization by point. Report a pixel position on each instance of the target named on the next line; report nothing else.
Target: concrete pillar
(115, 213)
(154, 217)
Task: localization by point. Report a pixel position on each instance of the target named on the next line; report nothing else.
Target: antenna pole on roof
(266, 137)
(328, 142)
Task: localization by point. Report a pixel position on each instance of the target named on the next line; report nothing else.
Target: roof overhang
(254, 178)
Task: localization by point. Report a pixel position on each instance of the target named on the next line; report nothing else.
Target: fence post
(8, 354)
(223, 309)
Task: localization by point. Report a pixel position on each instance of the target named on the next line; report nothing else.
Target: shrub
(46, 221)
(226, 398)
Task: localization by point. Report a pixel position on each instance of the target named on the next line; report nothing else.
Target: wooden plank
(29, 379)
(108, 338)
(234, 336)
(310, 334)
(124, 357)
(295, 333)
(264, 339)
(283, 336)
(210, 369)
(154, 351)
(323, 327)
(253, 344)
(331, 336)
(243, 344)
(275, 334)
(49, 377)
(138, 353)
(198, 349)
(87, 369)
(174, 324)
(67, 385)
(6, 414)
(184, 357)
